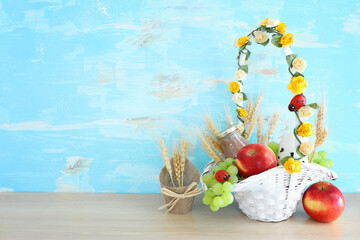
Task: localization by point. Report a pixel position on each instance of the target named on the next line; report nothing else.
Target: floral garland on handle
(297, 85)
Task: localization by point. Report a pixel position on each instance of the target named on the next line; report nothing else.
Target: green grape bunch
(322, 159)
(219, 194)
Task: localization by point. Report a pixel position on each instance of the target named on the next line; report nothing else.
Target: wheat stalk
(263, 139)
(182, 160)
(256, 106)
(211, 151)
(250, 119)
(272, 128)
(321, 133)
(260, 129)
(321, 139)
(251, 128)
(165, 155)
(176, 162)
(211, 125)
(229, 119)
(248, 110)
(249, 105)
(214, 142)
(320, 119)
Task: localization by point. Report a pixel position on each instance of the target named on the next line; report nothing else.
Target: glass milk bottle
(232, 141)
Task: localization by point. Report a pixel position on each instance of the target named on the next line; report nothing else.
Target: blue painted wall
(88, 87)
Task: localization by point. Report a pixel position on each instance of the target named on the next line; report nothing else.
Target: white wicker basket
(273, 195)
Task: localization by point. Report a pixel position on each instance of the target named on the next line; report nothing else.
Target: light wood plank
(135, 216)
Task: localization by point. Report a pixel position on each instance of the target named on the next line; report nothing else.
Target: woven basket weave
(273, 195)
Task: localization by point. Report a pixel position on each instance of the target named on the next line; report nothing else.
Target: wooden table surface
(135, 216)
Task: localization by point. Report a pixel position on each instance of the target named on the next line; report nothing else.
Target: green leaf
(276, 40)
(242, 48)
(247, 55)
(262, 28)
(298, 74)
(272, 30)
(284, 159)
(313, 105)
(299, 153)
(244, 97)
(265, 43)
(290, 58)
(245, 68)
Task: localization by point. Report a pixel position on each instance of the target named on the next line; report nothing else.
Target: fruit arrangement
(220, 185)
(293, 163)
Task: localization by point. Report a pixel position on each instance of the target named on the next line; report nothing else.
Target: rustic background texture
(89, 87)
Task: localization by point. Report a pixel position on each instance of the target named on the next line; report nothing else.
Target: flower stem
(253, 31)
(290, 72)
(242, 120)
(312, 157)
(296, 136)
(298, 118)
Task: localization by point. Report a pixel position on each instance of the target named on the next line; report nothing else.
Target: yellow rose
(287, 39)
(297, 85)
(305, 112)
(292, 166)
(305, 130)
(234, 87)
(242, 41)
(306, 148)
(281, 27)
(264, 22)
(242, 112)
(299, 65)
(260, 36)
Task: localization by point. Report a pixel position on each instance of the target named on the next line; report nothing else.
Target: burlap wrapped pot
(184, 196)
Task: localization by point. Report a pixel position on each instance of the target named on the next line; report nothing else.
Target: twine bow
(191, 191)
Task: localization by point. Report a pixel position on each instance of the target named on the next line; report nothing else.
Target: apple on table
(323, 202)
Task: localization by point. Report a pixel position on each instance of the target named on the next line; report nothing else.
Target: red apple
(254, 159)
(323, 202)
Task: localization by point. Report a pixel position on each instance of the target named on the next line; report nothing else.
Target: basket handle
(207, 169)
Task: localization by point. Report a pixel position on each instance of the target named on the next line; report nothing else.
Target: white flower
(305, 112)
(306, 148)
(238, 97)
(240, 75)
(272, 23)
(236, 40)
(299, 65)
(260, 36)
